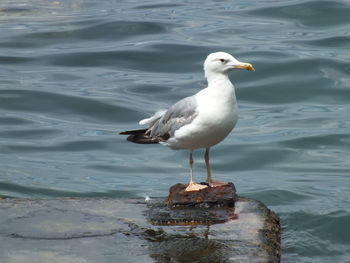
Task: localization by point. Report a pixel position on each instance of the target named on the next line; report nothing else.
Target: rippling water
(73, 73)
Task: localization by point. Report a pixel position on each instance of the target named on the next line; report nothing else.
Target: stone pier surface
(87, 230)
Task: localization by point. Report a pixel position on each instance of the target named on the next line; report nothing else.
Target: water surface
(74, 73)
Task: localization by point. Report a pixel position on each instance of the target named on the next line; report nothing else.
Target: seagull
(198, 121)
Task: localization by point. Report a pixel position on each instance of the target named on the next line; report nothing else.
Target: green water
(74, 73)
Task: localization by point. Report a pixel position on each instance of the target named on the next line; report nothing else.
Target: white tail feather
(152, 119)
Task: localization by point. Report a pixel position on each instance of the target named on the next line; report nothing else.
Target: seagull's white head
(222, 63)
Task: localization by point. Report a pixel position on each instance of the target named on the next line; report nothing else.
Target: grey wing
(178, 115)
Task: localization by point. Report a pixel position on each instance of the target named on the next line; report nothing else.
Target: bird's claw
(213, 183)
(195, 187)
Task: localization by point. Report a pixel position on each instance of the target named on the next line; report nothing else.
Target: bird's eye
(223, 60)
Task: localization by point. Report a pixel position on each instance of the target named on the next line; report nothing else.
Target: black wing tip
(142, 139)
(140, 136)
(141, 131)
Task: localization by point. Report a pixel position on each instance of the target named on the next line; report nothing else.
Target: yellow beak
(246, 66)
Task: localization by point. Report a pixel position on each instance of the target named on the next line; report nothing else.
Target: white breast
(217, 116)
